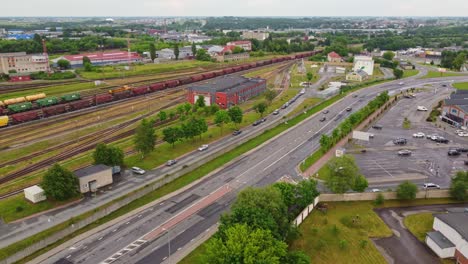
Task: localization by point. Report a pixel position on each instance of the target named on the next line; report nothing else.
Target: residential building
(20, 62)
(94, 177)
(227, 91)
(455, 109)
(260, 35)
(357, 76)
(102, 58)
(364, 63)
(450, 236)
(227, 56)
(245, 44)
(333, 57)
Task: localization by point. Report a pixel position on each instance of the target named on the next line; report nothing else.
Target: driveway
(402, 247)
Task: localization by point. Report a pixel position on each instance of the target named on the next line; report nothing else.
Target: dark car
(325, 112)
(441, 140)
(323, 119)
(171, 162)
(355, 95)
(453, 152)
(400, 141)
(466, 162)
(256, 123)
(348, 109)
(462, 149)
(404, 152)
(377, 127)
(444, 85)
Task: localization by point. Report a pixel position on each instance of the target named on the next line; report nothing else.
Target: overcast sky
(234, 8)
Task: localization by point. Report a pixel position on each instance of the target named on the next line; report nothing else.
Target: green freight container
(16, 108)
(47, 101)
(71, 97)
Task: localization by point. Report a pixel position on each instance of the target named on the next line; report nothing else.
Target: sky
(110, 8)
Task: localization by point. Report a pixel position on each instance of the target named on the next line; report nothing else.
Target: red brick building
(226, 91)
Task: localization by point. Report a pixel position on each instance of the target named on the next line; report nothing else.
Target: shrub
(363, 243)
(379, 200)
(343, 244)
(407, 191)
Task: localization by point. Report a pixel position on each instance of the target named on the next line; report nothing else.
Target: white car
(375, 190)
(137, 170)
(401, 83)
(463, 134)
(431, 186)
(419, 135)
(203, 147)
(422, 108)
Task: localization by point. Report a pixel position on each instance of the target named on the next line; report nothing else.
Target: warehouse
(94, 177)
(102, 58)
(227, 91)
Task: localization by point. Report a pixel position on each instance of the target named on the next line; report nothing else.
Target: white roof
(34, 189)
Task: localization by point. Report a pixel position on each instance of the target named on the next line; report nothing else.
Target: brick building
(245, 44)
(102, 58)
(333, 57)
(227, 91)
(20, 62)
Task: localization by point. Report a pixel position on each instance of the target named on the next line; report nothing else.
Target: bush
(343, 244)
(363, 243)
(379, 200)
(407, 191)
(54, 76)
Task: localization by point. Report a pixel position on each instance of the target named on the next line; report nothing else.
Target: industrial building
(20, 62)
(227, 91)
(244, 44)
(102, 58)
(221, 57)
(256, 34)
(364, 63)
(94, 177)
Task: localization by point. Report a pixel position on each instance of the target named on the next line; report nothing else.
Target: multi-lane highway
(144, 237)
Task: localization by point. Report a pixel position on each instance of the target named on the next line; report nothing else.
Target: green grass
(311, 160)
(419, 224)
(52, 90)
(409, 73)
(461, 86)
(435, 74)
(195, 257)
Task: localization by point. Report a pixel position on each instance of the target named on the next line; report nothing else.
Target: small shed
(35, 194)
(94, 177)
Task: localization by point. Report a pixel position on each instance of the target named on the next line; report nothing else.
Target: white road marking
(68, 256)
(127, 223)
(100, 238)
(72, 248)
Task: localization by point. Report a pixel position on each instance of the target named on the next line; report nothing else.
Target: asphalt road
(261, 167)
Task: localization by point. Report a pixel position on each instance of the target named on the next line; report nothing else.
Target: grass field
(461, 86)
(409, 73)
(419, 224)
(434, 74)
(53, 90)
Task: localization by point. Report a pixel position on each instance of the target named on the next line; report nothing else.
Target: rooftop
(457, 221)
(91, 170)
(334, 55)
(225, 83)
(440, 239)
(103, 56)
(34, 189)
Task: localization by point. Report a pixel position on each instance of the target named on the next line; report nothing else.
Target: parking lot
(428, 161)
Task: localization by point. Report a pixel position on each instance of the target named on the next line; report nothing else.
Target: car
(236, 132)
(462, 149)
(466, 162)
(463, 134)
(401, 83)
(421, 108)
(276, 112)
(375, 190)
(400, 141)
(325, 112)
(404, 152)
(429, 136)
(378, 127)
(444, 85)
(407, 96)
(348, 109)
(431, 185)
(323, 119)
(442, 140)
(419, 135)
(355, 95)
(371, 135)
(453, 152)
(137, 170)
(263, 120)
(256, 123)
(458, 131)
(434, 137)
(171, 162)
(203, 147)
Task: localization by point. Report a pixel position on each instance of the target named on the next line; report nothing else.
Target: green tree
(145, 137)
(107, 155)
(237, 50)
(86, 60)
(236, 115)
(59, 183)
(162, 115)
(325, 142)
(176, 51)
(459, 61)
(310, 76)
(200, 101)
(202, 55)
(194, 49)
(152, 50)
(388, 55)
(260, 108)
(243, 244)
(459, 186)
(63, 64)
(214, 109)
(343, 174)
(222, 118)
(187, 107)
(360, 184)
(306, 191)
(172, 115)
(398, 73)
(180, 109)
(270, 95)
(407, 191)
(172, 134)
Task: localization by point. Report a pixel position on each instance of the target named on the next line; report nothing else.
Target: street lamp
(169, 243)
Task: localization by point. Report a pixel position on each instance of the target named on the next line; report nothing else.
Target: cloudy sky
(234, 8)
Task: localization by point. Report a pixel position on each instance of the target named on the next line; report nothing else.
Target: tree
(194, 49)
(270, 95)
(176, 51)
(406, 191)
(172, 134)
(60, 183)
(145, 137)
(162, 115)
(388, 55)
(107, 155)
(200, 101)
(86, 60)
(241, 243)
(260, 108)
(306, 191)
(235, 113)
(459, 186)
(63, 64)
(187, 107)
(152, 50)
(172, 115)
(398, 73)
(459, 61)
(343, 174)
(222, 118)
(202, 55)
(360, 184)
(325, 142)
(237, 50)
(310, 76)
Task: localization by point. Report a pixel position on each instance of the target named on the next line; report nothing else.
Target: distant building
(450, 236)
(455, 109)
(20, 62)
(364, 63)
(94, 177)
(227, 91)
(260, 35)
(20, 36)
(167, 54)
(193, 38)
(357, 76)
(34, 194)
(333, 57)
(340, 70)
(232, 56)
(102, 58)
(245, 44)
(406, 65)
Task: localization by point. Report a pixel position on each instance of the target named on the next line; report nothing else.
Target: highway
(144, 238)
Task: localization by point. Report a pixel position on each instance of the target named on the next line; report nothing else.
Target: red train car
(172, 83)
(218, 73)
(157, 86)
(1, 110)
(245, 67)
(184, 81)
(57, 109)
(197, 78)
(237, 68)
(80, 104)
(267, 62)
(208, 75)
(140, 90)
(274, 60)
(103, 98)
(25, 116)
(228, 71)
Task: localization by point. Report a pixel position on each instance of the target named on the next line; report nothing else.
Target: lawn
(461, 86)
(419, 224)
(435, 74)
(409, 73)
(53, 90)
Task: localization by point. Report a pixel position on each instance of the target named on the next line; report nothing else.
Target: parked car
(276, 112)
(463, 134)
(404, 152)
(371, 135)
(421, 108)
(431, 185)
(137, 170)
(325, 112)
(203, 147)
(323, 119)
(442, 140)
(257, 122)
(355, 95)
(375, 190)
(400, 141)
(171, 162)
(378, 127)
(348, 109)
(236, 132)
(419, 135)
(453, 152)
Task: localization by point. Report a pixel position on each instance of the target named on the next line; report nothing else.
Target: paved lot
(429, 160)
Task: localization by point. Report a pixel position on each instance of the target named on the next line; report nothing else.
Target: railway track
(30, 86)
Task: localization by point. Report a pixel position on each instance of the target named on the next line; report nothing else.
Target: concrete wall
(450, 233)
(441, 252)
(330, 197)
(303, 215)
(103, 178)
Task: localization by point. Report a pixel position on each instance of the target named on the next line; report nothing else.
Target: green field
(434, 74)
(419, 224)
(409, 73)
(53, 90)
(461, 86)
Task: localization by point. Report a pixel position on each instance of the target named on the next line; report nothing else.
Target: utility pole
(44, 52)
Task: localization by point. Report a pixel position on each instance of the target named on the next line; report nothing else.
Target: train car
(4, 121)
(157, 86)
(54, 110)
(237, 68)
(186, 80)
(35, 97)
(274, 60)
(197, 78)
(171, 83)
(25, 117)
(245, 67)
(122, 89)
(140, 90)
(103, 98)
(14, 101)
(267, 62)
(122, 95)
(47, 101)
(260, 63)
(2, 110)
(71, 97)
(208, 75)
(228, 70)
(218, 73)
(16, 108)
(76, 105)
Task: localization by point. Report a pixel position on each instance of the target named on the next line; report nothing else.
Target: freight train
(24, 109)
